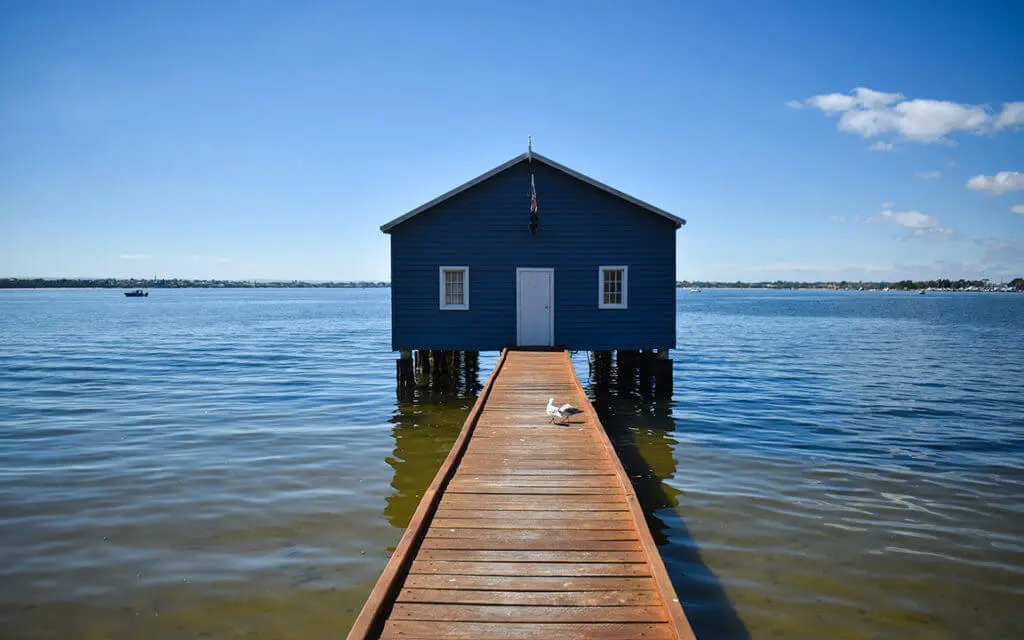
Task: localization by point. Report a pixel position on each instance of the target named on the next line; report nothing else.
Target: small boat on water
(695, 290)
(921, 292)
(138, 293)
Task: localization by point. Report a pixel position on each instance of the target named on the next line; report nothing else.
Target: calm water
(234, 463)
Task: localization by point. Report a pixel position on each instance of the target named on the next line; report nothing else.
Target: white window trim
(625, 287)
(465, 289)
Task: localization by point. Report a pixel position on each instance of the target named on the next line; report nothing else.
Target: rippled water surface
(235, 463)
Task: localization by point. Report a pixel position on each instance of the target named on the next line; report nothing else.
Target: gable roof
(678, 222)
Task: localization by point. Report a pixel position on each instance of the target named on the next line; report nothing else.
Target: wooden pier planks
(529, 530)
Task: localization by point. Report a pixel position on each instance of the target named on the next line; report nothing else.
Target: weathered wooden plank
(566, 569)
(602, 473)
(520, 555)
(547, 480)
(477, 490)
(471, 466)
(420, 630)
(512, 614)
(527, 508)
(542, 482)
(523, 515)
(539, 446)
(533, 499)
(531, 598)
(528, 583)
(541, 544)
(537, 454)
(603, 523)
(532, 441)
(589, 446)
(530, 534)
(533, 432)
(518, 463)
(505, 502)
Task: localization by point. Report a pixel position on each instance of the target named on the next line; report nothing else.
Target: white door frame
(551, 305)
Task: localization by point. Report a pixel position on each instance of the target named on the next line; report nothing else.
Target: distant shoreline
(175, 283)
(1016, 284)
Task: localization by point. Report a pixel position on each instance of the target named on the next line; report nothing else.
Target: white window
(613, 287)
(455, 288)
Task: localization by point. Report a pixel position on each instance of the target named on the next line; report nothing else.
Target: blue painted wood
(485, 228)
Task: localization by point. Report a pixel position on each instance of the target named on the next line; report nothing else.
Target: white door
(535, 307)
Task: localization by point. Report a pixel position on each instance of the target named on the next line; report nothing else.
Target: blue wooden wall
(485, 228)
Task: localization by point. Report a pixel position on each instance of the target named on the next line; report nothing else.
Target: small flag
(534, 220)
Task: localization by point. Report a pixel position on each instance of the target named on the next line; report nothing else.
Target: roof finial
(529, 147)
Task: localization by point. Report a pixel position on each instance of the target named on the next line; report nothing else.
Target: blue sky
(270, 140)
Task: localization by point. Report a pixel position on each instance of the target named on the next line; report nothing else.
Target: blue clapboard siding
(485, 228)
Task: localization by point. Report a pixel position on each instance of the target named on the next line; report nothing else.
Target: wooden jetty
(528, 530)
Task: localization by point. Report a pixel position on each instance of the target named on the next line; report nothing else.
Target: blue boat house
(532, 254)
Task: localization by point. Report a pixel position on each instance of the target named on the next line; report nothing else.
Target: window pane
(453, 287)
(611, 286)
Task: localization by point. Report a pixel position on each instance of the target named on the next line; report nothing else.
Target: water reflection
(427, 420)
(640, 429)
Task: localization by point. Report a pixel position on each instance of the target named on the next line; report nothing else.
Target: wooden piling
(627, 362)
(405, 373)
(662, 370)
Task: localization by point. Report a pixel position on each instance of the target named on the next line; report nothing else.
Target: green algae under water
(236, 464)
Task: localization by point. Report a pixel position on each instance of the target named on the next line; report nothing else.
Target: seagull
(565, 412)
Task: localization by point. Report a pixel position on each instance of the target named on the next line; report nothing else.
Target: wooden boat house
(533, 254)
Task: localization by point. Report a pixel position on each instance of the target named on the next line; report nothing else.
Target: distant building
(469, 274)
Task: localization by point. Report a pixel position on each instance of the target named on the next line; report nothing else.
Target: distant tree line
(173, 283)
(909, 285)
(941, 283)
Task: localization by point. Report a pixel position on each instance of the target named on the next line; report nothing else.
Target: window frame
(465, 288)
(625, 286)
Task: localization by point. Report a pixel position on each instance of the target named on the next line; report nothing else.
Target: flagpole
(534, 220)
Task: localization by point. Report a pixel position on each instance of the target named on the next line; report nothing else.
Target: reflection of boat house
(468, 273)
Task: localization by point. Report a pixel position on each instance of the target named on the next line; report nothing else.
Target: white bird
(564, 412)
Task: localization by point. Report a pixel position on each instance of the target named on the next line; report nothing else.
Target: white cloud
(917, 224)
(839, 218)
(1018, 209)
(1002, 182)
(874, 99)
(930, 120)
(832, 102)
(928, 175)
(881, 146)
(870, 113)
(135, 256)
(1012, 115)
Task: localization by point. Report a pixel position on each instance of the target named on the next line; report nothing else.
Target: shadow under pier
(640, 428)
